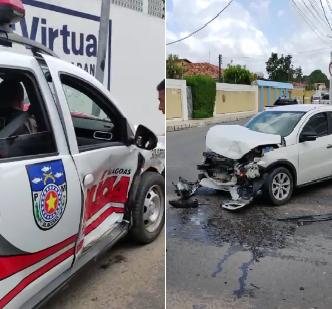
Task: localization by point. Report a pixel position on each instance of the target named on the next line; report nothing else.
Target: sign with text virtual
(135, 46)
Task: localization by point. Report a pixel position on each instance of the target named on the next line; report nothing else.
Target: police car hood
(234, 141)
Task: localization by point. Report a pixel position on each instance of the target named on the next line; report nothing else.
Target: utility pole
(330, 70)
(103, 39)
(220, 64)
(102, 45)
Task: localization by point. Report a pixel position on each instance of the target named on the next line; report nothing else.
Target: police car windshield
(275, 122)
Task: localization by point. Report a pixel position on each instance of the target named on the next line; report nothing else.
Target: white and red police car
(74, 178)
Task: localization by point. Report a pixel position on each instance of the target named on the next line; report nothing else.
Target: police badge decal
(49, 192)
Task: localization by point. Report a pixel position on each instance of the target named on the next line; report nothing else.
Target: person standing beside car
(161, 97)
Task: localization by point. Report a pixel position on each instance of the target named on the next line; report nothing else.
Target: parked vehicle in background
(285, 101)
(320, 97)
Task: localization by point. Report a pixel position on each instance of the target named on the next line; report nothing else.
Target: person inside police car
(161, 97)
(13, 112)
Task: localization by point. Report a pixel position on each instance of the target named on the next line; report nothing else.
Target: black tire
(269, 186)
(140, 231)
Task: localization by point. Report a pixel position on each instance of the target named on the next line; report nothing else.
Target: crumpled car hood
(234, 141)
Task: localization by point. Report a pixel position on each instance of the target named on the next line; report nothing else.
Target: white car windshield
(275, 122)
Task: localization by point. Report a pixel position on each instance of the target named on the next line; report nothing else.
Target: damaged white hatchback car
(277, 150)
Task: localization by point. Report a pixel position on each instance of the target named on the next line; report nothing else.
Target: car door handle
(88, 180)
(329, 146)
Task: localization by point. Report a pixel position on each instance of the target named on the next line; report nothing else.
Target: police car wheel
(149, 210)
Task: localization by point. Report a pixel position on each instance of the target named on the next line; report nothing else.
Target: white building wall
(137, 50)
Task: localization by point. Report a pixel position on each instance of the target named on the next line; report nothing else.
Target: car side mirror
(308, 135)
(145, 138)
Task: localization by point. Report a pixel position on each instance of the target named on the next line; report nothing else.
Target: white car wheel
(279, 186)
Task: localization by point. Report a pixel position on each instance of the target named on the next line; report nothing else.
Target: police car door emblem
(49, 192)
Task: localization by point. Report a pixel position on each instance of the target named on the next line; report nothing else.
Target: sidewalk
(177, 125)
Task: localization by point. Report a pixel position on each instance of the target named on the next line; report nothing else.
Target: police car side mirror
(145, 138)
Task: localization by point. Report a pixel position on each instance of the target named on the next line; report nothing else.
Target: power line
(314, 5)
(314, 19)
(322, 19)
(310, 51)
(317, 17)
(307, 22)
(262, 57)
(204, 26)
(329, 5)
(301, 13)
(321, 3)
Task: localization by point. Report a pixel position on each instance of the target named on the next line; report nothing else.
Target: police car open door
(98, 141)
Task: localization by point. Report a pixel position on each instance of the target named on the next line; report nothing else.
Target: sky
(249, 30)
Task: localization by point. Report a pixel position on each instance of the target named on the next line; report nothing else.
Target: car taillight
(11, 11)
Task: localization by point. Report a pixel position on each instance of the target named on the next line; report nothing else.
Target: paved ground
(128, 276)
(217, 259)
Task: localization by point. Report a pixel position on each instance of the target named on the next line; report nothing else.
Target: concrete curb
(172, 126)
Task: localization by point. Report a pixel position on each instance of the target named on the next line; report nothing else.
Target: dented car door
(99, 143)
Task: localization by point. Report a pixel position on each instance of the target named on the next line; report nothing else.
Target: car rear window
(275, 122)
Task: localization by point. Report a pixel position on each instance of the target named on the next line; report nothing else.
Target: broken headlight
(267, 149)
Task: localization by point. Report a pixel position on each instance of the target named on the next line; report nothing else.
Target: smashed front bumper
(242, 179)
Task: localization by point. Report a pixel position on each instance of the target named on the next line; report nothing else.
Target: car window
(81, 105)
(317, 123)
(275, 122)
(24, 125)
(95, 124)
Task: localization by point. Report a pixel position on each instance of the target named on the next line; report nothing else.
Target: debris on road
(184, 203)
(236, 205)
(308, 219)
(185, 189)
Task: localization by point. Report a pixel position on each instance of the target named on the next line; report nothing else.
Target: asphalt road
(217, 259)
(127, 277)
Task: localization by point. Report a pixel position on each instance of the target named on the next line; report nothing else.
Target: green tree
(317, 76)
(281, 69)
(174, 69)
(203, 89)
(298, 75)
(235, 74)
